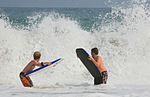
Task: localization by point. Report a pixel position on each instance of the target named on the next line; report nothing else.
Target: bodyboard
(35, 70)
(83, 56)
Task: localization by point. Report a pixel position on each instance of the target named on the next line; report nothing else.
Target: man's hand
(90, 58)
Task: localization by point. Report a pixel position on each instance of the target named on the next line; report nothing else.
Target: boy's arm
(48, 63)
(42, 63)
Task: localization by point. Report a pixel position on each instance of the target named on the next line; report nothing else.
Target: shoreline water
(78, 91)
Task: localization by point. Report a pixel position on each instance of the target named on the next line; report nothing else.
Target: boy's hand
(49, 63)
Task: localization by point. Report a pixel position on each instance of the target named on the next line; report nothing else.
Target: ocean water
(122, 36)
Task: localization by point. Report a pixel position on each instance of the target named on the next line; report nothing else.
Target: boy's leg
(30, 81)
(26, 81)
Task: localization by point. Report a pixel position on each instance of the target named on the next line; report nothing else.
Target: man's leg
(104, 77)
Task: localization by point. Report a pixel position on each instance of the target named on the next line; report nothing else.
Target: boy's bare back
(31, 65)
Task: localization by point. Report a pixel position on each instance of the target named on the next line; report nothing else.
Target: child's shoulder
(33, 61)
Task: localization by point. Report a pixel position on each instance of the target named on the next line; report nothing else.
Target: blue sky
(55, 3)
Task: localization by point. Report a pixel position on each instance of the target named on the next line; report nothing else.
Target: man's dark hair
(94, 50)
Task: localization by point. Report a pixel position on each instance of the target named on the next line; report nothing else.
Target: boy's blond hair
(36, 55)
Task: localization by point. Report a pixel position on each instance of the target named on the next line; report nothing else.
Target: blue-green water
(85, 17)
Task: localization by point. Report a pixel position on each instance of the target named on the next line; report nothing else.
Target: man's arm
(97, 63)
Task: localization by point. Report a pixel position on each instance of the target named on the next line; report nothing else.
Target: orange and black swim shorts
(26, 81)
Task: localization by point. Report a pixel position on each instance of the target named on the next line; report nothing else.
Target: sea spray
(122, 37)
(125, 43)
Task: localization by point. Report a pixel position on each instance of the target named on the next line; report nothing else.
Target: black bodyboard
(83, 56)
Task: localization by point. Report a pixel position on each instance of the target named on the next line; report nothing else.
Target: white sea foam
(124, 46)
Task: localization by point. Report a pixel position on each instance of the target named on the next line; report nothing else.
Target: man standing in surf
(98, 61)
